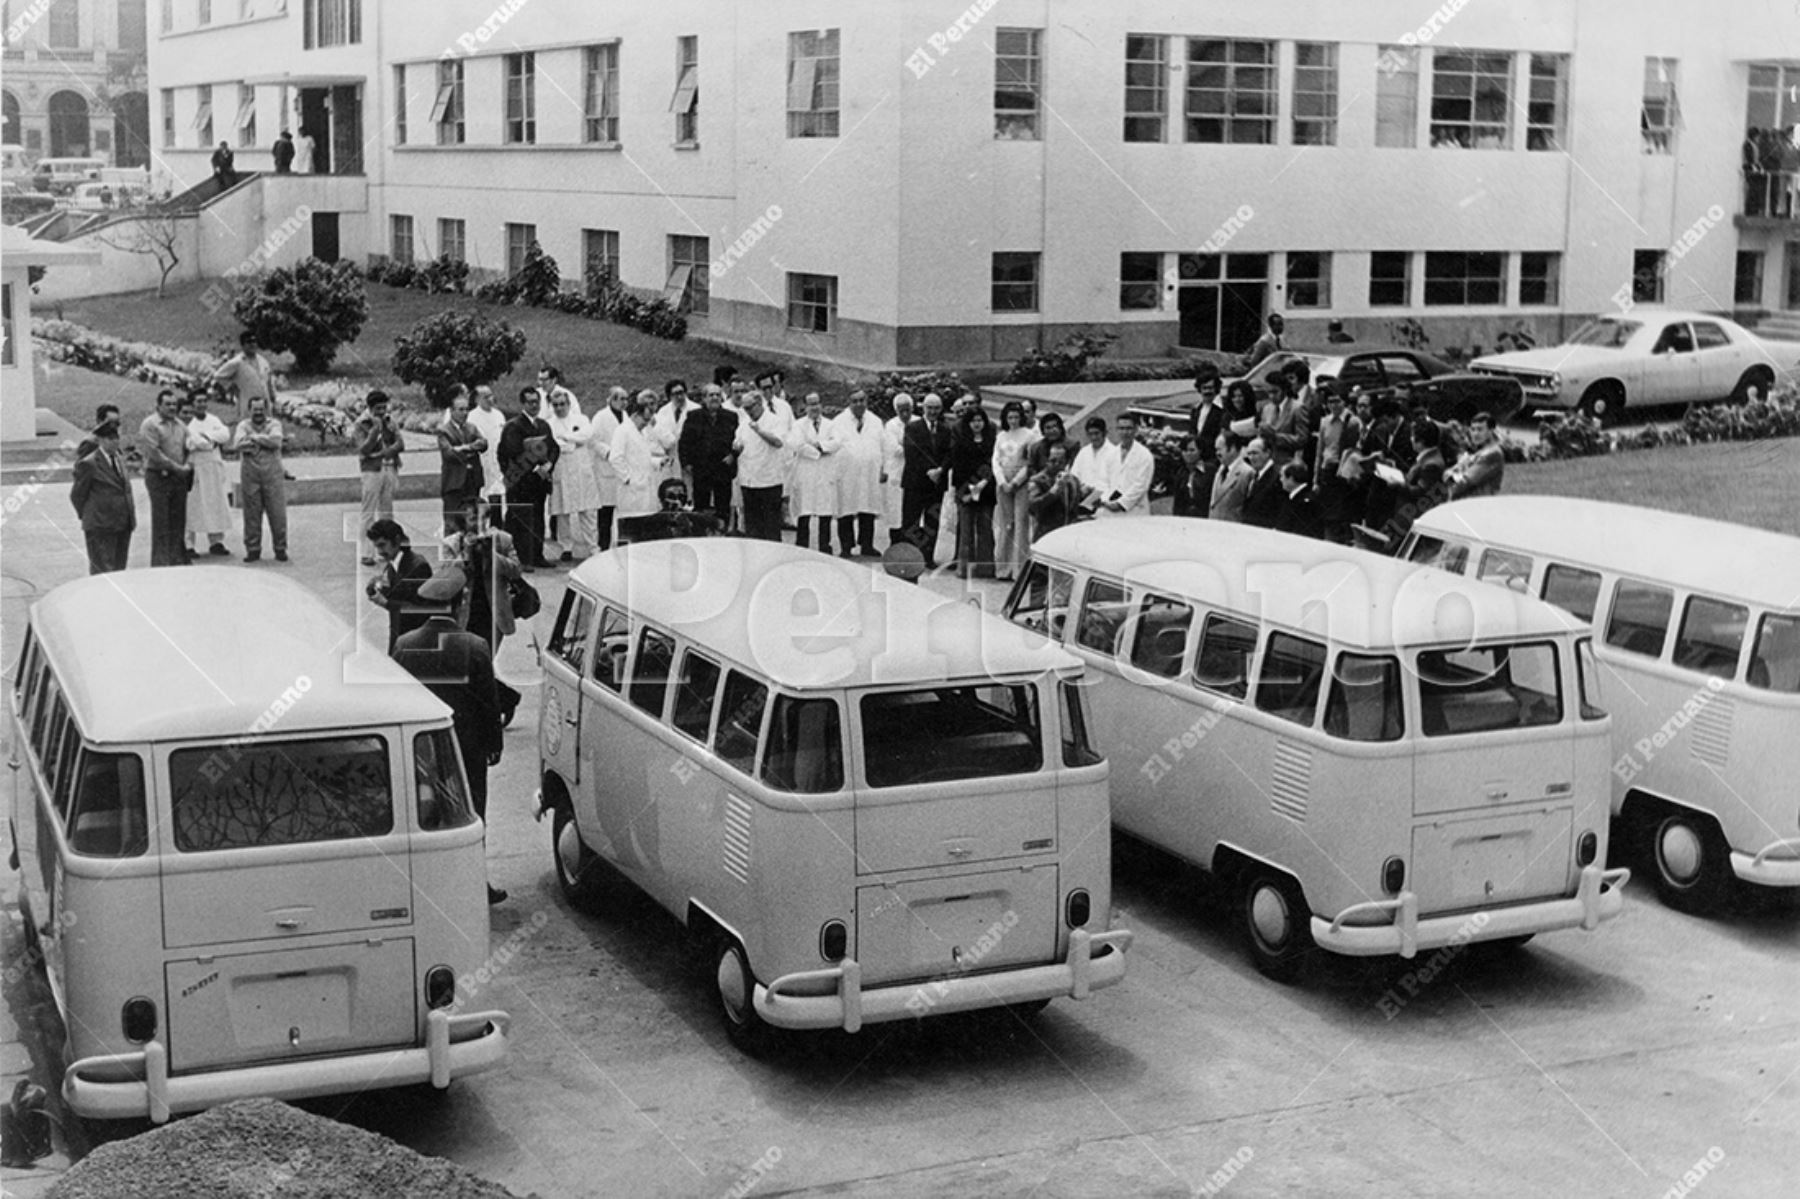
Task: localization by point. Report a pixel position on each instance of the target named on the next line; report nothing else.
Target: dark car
(1449, 393)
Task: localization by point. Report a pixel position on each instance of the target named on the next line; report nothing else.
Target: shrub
(888, 384)
(1065, 362)
(456, 347)
(308, 310)
(537, 278)
(443, 274)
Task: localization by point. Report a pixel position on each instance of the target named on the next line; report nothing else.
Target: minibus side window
(246, 794)
(1223, 663)
(1160, 641)
(949, 733)
(1488, 688)
(43, 728)
(1640, 618)
(1775, 659)
(1712, 634)
(568, 640)
(1040, 600)
(1506, 568)
(1288, 685)
(1587, 675)
(1435, 551)
(443, 800)
(36, 683)
(1103, 610)
(695, 692)
(740, 721)
(806, 746)
(651, 669)
(1572, 589)
(611, 648)
(1077, 749)
(1364, 703)
(67, 748)
(27, 664)
(107, 819)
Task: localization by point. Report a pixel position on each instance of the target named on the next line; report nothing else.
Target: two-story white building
(954, 181)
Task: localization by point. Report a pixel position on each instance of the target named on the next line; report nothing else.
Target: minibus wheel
(579, 870)
(737, 997)
(1692, 863)
(1277, 923)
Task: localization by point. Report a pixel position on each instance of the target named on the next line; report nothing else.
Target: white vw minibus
(870, 802)
(1372, 757)
(1697, 629)
(248, 856)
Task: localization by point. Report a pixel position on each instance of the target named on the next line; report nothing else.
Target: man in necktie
(102, 498)
(861, 445)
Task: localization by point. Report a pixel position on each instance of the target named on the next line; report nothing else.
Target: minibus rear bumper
(1778, 865)
(1600, 895)
(1095, 960)
(455, 1046)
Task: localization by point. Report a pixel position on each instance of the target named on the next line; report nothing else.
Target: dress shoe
(217, 549)
(495, 895)
(281, 556)
(254, 556)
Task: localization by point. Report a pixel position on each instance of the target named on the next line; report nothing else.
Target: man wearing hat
(458, 668)
(102, 497)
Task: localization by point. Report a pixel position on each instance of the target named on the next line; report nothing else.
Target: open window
(651, 670)
(568, 638)
(740, 721)
(695, 692)
(1103, 613)
(1160, 641)
(1711, 637)
(1288, 682)
(1775, 658)
(1040, 600)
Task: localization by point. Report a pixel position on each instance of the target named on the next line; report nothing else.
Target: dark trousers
(712, 494)
(525, 522)
(168, 519)
(975, 540)
(263, 489)
(476, 767)
(762, 513)
(107, 551)
(857, 532)
(603, 535)
(801, 538)
(920, 511)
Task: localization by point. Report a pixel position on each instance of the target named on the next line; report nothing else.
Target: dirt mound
(264, 1149)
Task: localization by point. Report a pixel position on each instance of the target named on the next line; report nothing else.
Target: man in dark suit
(527, 455)
(460, 447)
(924, 474)
(1299, 513)
(102, 496)
(396, 584)
(458, 668)
(1263, 505)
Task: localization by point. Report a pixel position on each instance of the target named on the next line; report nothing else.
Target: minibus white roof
(1687, 552)
(1355, 598)
(149, 655)
(808, 620)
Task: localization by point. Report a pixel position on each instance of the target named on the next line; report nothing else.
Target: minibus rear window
(949, 733)
(1161, 638)
(1572, 589)
(107, 820)
(806, 746)
(1435, 551)
(651, 669)
(1288, 686)
(1364, 703)
(1640, 618)
(611, 649)
(1712, 634)
(1489, 688)
(438, 781)
(1775, 661)
(243, 795)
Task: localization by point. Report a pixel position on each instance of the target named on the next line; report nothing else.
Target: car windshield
(1606, 332)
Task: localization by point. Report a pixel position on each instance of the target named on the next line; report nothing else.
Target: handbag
(526, 602)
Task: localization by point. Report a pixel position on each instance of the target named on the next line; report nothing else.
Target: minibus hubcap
(732, 990)
(1678, 850)
(568, 848)
(1269, 916)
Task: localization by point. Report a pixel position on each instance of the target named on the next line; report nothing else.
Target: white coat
(862, 450)
(639, 470)
(573, 488)
(814, 449)
(665, 435)
(606, 425)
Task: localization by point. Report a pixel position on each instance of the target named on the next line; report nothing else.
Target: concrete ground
(1602, 1064)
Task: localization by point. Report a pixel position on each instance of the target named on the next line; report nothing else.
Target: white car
(1638, 358)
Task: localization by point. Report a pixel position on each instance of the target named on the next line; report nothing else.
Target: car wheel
(737, 997)
(580, 872)
(1603, 402)
(1759, 377)
(1691, 862)
(1276, 923)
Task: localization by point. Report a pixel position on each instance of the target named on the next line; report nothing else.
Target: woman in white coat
(606, 424)
(893, 463)
(574, 493)
(862, 449)
(637, 463)
(813, 443)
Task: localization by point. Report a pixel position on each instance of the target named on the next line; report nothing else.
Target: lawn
(1746, 482)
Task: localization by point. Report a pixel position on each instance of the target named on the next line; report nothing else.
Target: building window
(453, 239)
(133, 19)
(521, 99)
(6, 326)
(1390, 279)
(203, 122)
(689, 286)
(1397, 97)
(1748, 288)
(168, 15)
(1016, 282)
(1146, 87)
(400, 105)
(519, 240)
(1547, 110)
(332, 23)
(812, 99)
(65, 25)
(1018, 83)
(246, 116)
(1315, 93)
(812, 303)
(1647, 276)
(1457, 278)
(1540, 278)
(1657, 118)
(168, 118)
(1140, 281)
(1231, 92)
(1309, 279)
(599, 257)
(600, 93)
(1471, 101)
(447, 108)
(204, 12)
(400, 238)
(686, 104)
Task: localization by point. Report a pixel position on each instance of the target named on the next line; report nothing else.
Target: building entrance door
(325, 236)
(1221, 298)
(315, 122)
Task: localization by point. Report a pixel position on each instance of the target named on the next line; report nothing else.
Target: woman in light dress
(574, 492)
(637, 462)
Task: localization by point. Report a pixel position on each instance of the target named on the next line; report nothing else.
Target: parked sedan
(1638, 358)
(1447, 392)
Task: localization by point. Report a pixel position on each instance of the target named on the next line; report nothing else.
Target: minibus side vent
(1711, 740)
(737, 838)
(1291, 780)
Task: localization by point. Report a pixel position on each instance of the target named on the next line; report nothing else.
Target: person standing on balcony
(224, 165)
(283, 153)
(303, 159)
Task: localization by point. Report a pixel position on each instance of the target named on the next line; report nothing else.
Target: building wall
(97, 69)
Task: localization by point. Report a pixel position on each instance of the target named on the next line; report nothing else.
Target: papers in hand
(1390, 475)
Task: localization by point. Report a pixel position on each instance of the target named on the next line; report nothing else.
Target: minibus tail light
(1393, 875)
(138, 1019)
(1587, 849)
(440, 987)
(834, 941)
(1079, 908)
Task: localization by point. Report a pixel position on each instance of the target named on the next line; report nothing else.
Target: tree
(157, 235)
(308, 310)
(456, 347)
